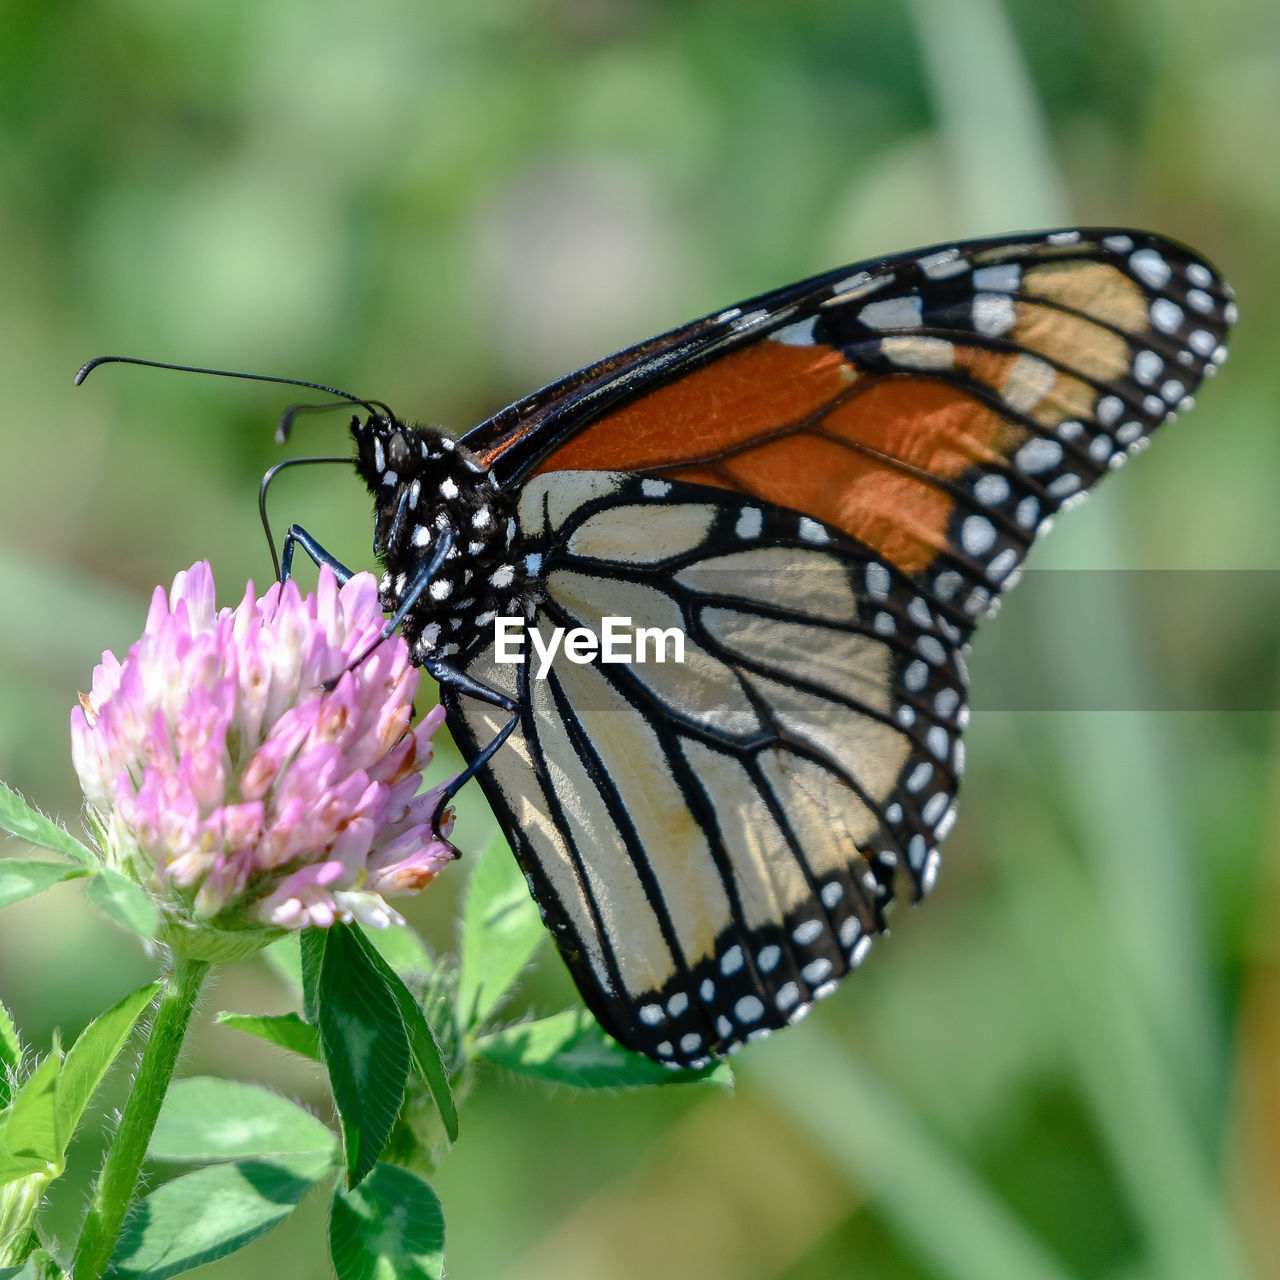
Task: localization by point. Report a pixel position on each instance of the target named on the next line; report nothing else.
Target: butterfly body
(822, 490)
(427, 488)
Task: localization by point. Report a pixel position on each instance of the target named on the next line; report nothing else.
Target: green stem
(119, 1177)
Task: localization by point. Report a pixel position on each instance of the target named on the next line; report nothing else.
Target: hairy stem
(119, 1177)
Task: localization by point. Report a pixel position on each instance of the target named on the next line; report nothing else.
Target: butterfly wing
(713, 840)
(822, 489)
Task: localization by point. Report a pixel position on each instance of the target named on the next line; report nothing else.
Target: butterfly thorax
(424, 486)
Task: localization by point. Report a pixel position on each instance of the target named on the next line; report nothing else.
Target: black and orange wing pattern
(822, 489)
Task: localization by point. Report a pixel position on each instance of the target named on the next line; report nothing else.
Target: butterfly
(821, 490)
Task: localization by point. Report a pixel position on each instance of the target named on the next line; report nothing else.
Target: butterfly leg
(444, 674)
(299, 537)
(421, 581)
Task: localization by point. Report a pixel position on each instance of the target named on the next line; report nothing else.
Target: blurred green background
(1067, 1064)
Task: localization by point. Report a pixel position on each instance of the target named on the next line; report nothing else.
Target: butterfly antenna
(375, 407)
(262, 498)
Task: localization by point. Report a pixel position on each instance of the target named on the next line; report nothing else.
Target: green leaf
(94, 1051)
(30, 1141)
(571, 1048)
(210, 1213)
(501, 930)
(10, 1056)
(287, 1030)
(38, 1266)
(422, 1039)
(209, 1119)
(124, 902)
(20, 819)
(391, 1226)
(24, 879)
(366, 1047)
(311, 945)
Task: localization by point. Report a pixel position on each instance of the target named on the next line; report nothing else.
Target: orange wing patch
(798, 427)
(704, 415)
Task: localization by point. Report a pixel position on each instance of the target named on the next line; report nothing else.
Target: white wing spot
(991, 490)
(920, 777)
(919, 613)
(655, 488)
(1147, 367)
(893, 313)
(909, 351)
(1151, 268)
(993, 314)
(1166, 315)
(1037, 455)
(977, 535)
(750, 523)
(749, 1009)
(799, 334)
(930, 647)
(943, 264)
(1004, 277)
(1109, 410)
(807, 932)
(916, 676)
(731, 961)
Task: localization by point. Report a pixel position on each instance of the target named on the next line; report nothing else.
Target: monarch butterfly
(822, 489)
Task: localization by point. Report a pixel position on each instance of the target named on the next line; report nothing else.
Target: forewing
(937, 407)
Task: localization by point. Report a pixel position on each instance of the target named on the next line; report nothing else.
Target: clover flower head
(227, 780)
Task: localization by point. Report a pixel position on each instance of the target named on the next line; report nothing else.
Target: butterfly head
(425, 485)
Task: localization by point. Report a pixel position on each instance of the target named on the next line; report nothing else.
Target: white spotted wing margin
(713, 842)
